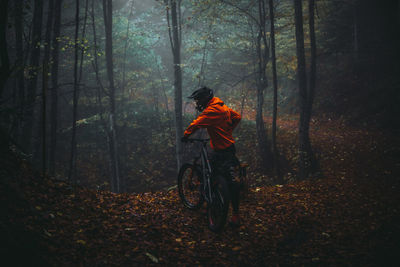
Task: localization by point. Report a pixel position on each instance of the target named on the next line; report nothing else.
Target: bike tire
(190, 186)
(217, 212)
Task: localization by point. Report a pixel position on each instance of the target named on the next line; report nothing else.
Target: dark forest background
(97, 89)
(93, 103)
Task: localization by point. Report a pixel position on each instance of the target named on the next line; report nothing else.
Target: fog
(84, 107)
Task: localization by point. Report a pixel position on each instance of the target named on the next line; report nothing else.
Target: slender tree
(201, 75)
(262, 83)
(33, 75)
(19, 63)
(314, 165)
(95, 64)
(263, 56)
(112, 136)
(126, 48)
(43, 127)
(313, 60)
(83, 37)
(175, 37)
(45, 77)
(54, 88)
(72, 160)
(306, 93)
(100, 89)
(275, 88)
(77, 81)
(5, 64)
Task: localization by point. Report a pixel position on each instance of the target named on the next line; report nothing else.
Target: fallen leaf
(153, 258)
(80, 241)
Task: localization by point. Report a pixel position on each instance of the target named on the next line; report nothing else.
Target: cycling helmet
(202, 96)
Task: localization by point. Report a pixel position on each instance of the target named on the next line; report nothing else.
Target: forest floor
(350, 216)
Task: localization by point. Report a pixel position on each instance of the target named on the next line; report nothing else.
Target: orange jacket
(219, 120)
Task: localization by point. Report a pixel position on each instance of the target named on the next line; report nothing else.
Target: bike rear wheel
(190, 186)
(217, 210)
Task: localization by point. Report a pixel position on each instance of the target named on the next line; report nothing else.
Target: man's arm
(202, 121)
(235, 117)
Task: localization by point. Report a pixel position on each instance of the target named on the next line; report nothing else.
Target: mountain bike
(196, 185)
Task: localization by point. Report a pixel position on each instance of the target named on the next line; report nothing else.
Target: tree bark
(313, 62)
(262, 83)
(175, 35)
(72, 160)
(54, 90)
(45, 68)
(83, 36)
(355, 35)
(107, 13)
(125, 50)
(95, 52)
(100, 89)
(20, 64)
(45, 84)
(302, 82)
(5, 63)
(305, 93)
(314, 165)
(33, 75)
(275, 151)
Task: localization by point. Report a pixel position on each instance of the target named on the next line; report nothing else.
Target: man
(219, 120)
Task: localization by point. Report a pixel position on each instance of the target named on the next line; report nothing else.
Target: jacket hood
(215, 101)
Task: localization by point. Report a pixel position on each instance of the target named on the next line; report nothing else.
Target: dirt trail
(348, 217)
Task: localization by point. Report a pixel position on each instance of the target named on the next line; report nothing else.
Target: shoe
(235, 220)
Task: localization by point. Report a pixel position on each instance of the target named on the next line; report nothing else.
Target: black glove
(184, 139)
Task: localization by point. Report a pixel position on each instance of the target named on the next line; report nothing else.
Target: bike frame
(206, 172)
(205, 169)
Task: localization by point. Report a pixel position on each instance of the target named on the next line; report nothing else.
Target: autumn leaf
(153, 258)
(80, 241)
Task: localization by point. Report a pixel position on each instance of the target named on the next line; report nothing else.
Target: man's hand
(184, 139)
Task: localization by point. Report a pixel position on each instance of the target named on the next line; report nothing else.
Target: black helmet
(202, 96)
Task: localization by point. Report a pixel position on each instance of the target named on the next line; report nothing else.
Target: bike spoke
(189, 187)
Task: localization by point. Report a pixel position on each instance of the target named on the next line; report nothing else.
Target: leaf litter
(348, 216)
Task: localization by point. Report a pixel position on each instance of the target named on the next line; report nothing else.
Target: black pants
(223, 162)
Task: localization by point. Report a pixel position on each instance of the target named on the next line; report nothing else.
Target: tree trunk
(125, 50)
(305, 151)
(45, 84)
(83, 36)
(19, 63)
(175, 40)
(45, 68)
(72, 160)
(54, 90)
(33, 75)
(313, 62)
(314, 165)
(262, 83)
(275, 152)
(5, 63)
(95, 52)
(100, 90)
(355, 36)
(115, 182)
(203, 63)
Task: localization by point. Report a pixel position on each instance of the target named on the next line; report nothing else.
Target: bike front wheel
(217, 209)
(190, 186)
